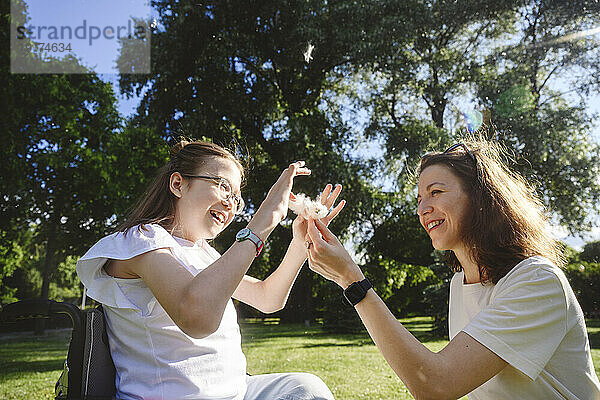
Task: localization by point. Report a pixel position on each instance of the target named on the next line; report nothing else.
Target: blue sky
(91, 27)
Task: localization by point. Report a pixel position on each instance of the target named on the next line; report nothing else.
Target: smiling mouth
(218, 216)
(434, 224)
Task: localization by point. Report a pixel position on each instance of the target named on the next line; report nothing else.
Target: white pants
(287, 386)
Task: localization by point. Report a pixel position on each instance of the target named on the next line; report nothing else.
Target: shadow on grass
(592, 323)
(32, 366)
(29, 354)
(353, 344)
(594, 340)
(257, 332)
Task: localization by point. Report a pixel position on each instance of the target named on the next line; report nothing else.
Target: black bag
(89, 372)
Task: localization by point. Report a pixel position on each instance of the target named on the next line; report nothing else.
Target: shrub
(584, 278)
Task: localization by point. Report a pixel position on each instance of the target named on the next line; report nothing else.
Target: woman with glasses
(171, 323)
(516, 329)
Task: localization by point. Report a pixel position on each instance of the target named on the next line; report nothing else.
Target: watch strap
(251, 236)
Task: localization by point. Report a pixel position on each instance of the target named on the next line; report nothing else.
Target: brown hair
(157, 205)
(507, 223)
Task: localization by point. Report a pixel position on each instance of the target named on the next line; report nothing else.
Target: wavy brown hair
(507, 222)
(157, 205)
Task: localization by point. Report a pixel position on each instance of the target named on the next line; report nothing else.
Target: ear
(176, 184)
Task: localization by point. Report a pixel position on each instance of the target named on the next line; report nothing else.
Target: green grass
(31, 365)
(350, 364)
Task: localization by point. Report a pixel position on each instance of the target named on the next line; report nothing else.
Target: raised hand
(275, 206)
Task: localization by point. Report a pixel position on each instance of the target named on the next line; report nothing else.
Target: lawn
(350, 364)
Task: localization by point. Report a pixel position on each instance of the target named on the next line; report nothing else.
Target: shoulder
(534, 269)
(457, 280)
(132, 268)
(535, 283)
(130, 243)
(121, 248)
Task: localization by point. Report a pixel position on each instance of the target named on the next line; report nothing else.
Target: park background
(385, 82)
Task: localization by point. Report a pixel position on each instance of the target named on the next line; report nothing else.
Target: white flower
(307, 208)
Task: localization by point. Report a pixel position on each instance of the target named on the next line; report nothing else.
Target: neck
(178, 230)
(470, 269)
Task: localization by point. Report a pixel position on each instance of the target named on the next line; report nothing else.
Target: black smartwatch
(357, 291)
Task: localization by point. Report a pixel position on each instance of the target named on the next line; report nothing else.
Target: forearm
(420, 369)
(205, 297)
(271, 294)
(277, 286)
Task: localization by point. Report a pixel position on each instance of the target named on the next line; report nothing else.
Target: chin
(439, 246)
(214, 233)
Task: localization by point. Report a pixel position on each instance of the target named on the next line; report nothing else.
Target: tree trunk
(437, 108)
(46, 274)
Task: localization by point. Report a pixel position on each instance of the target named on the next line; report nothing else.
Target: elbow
(197, 322)
(431, 391)
(197, 327)
(271, 308)
(197, 332)
(424, 395)
(431, 384)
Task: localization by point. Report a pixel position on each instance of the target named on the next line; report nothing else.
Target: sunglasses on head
(465, 148)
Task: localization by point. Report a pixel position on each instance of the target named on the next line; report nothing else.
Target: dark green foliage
(591, 252)
(384, 86)
(436, 296)
(55, 176)
(528, 88)
(338, 315)
(584, 278)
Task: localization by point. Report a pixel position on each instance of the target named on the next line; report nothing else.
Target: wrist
(357, 291)
(261, 230)
(246, 234)
(297, 242)
(354, 275)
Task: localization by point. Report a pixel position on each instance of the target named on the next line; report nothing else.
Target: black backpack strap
(98, 370)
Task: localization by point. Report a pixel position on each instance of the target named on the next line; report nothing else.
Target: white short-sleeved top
(533, 321)
(154, 359)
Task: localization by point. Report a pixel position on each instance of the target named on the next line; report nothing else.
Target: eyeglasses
(225, 191)
(466, 149)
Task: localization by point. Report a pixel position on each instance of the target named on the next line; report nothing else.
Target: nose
(229, 202)
(423, 209)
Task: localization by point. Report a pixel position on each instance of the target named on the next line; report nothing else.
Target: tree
(234, 71)
(536, 90)
(584, 278)
(461, 50)
(591, 252)
(54, 177)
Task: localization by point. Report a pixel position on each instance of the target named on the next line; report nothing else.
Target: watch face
(357, 291)
(243, 234)
(354, 293)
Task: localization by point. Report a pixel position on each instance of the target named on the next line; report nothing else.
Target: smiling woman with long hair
(516, 328)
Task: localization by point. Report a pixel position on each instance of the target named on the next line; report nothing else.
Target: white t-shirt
(154, 359)
(533, 321)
